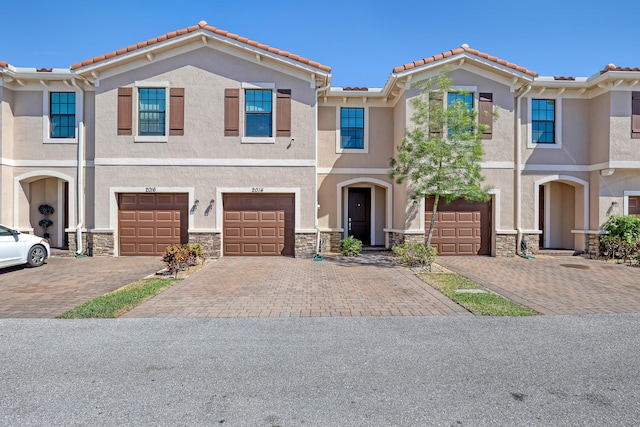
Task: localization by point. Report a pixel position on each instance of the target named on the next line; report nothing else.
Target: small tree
(441, 155)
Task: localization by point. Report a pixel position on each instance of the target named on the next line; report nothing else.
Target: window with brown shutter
(485, 113)
(176, 111)
(635, 114)
(232, 112)
(125, 111)
(283, 112)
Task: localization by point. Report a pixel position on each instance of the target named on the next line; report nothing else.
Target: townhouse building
(201, 135)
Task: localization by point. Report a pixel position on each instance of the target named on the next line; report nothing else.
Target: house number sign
(150, 189)
(257, 189)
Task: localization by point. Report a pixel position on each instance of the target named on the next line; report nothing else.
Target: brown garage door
(148, 223)
(258, 224)
(461, 227)
(634, 206)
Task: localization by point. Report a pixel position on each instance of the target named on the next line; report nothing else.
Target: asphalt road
(409, 371)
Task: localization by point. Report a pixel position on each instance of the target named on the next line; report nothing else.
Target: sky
(362, 41)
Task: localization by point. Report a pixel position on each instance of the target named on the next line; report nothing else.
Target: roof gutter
(519, 168)
(317, 206)
(80, 179)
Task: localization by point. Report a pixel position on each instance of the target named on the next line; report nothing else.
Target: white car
(17, 248)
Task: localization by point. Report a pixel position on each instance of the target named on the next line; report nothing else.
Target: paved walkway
(63, 283)
(370, 285)
(556, 285)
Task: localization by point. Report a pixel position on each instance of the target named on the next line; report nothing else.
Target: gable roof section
(202, 25)
(3, 64)
(464, 48)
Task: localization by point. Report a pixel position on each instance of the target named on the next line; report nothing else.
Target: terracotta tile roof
(356, 88)
(44, 70)
(612, 67)
(3, 64)
(564, 78)
(463, 48)
(205, 26)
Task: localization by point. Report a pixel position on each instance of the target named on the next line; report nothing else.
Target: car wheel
(37, 256)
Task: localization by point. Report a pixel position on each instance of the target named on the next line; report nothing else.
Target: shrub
(178, 258)
(415, 254)
(622, 238)
(351, 246)
(625, 227)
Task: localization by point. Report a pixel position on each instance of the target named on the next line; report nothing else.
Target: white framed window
(259, 112)
(62, 112)
(544, 122)
(151, 111)
(352, 129)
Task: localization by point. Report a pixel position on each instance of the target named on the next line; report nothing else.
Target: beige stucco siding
(622, 146)
(599, 128)
(205, 74)
(380, 126)
(28, 131)
(572, 130)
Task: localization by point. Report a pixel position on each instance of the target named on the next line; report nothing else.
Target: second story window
(152, 110)
(465, 97)
(62, 114)
(543, 121)
(258, 112)
(352, 128)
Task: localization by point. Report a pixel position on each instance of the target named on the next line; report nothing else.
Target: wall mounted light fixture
(211, 202)
(196, 202)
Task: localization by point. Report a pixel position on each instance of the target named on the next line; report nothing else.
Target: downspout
(80, 180)
(519, 169)
(316, 207)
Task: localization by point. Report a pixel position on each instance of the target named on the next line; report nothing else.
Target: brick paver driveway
(370, 285)
(63, 283)
(556, 285)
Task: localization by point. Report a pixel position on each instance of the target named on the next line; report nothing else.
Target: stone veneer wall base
(305, 245)
(211, 243)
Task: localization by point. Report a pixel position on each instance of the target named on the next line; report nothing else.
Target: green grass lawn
(120, 301)
(486, 303)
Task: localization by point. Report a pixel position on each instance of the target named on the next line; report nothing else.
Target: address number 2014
(257, 190)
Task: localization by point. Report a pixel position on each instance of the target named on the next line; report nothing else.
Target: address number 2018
(257, 190)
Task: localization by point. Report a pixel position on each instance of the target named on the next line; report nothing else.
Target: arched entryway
(562, 211)
(35, 189)
(364, 209)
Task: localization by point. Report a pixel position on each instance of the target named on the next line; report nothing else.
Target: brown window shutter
(231, 112)
(125, 111)
(635, 114)
(435, 101)
(176, 111)
(283, 113)
(485, 113)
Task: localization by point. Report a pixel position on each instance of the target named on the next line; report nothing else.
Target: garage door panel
(447, 232)
(250, 216)
(466, 217)
(466, 232)
(232, 216)
(271, 216)
(446, 217)
(232, 232)
(461, 227)
(148, 223)
(269, 232)
(265, 223)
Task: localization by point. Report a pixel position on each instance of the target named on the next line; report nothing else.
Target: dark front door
(360, 214)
